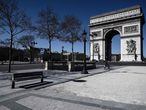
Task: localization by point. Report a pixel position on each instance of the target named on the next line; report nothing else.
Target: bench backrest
(28, 75)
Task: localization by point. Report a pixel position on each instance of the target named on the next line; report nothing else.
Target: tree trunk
(50, 56)
(10, 53)
(30, 55)
(50, 64)
(72, 51)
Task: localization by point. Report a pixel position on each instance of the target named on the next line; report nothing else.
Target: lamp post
(41, 54)
(62, 53)
(84, 71)
(33, 43)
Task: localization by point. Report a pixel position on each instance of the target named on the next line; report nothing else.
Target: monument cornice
(117, 11)
(116, 20)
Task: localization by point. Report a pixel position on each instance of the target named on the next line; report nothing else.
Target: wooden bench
(21, 76)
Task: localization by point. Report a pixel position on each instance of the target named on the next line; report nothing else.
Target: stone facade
(126, 22)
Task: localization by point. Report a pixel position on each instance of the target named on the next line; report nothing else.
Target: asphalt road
(4, 68)
(23, 66)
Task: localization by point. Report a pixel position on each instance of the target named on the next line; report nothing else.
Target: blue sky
(82, 9)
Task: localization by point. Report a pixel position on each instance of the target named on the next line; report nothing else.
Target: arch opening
(112, 46)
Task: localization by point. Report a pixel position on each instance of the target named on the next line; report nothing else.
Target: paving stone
(2, 107)
(122, 88)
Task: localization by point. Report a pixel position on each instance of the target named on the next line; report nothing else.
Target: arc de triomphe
(126, 22)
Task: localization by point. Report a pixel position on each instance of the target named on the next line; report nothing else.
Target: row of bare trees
(14, 21)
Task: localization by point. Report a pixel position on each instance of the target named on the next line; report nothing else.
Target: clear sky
(83, 9)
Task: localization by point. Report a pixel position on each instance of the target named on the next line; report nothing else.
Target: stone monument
(126, 22)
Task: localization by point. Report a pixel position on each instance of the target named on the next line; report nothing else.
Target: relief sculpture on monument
(131, 29)
(96, 48)
(131, 46)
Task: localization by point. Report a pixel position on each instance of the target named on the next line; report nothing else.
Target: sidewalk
(122, 88)
(14, 63)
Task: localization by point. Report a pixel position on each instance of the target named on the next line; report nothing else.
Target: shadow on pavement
(79, 80)
(28, 86)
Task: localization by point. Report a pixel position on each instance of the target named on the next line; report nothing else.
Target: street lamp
(42, 54)
(62, 52)
(84, 71)
(33, 43)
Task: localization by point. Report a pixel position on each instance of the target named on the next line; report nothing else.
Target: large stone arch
(128, 23)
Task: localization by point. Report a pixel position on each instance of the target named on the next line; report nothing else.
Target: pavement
(121, 88)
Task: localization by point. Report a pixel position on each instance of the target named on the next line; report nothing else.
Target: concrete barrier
(69, 65)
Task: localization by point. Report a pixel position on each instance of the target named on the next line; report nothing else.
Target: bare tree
(28, 42)
(5, 42)
(13, 22)
(71, 27)
(2, 43)
(47, 26)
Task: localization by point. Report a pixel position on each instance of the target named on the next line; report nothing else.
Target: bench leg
(42, 80)
(13, 85)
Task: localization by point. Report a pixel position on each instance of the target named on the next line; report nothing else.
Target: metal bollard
(46, 65)
(69, 66)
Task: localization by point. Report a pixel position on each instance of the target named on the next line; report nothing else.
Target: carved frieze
(131, 29)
